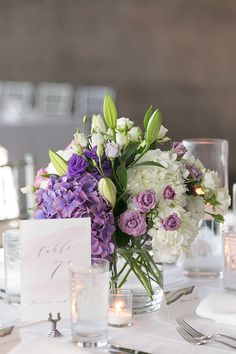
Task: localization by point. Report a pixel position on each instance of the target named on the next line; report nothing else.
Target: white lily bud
(98, 124)
(97, 139)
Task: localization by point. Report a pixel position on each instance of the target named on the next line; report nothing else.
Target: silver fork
(198, 335)
(189, 338)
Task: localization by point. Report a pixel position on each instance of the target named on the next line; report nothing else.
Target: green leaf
(213, 200)
(58, 162)
(147, 163)
(217, 217)
(48, 175)
(147, 117)
(122, 175)
(131, 148)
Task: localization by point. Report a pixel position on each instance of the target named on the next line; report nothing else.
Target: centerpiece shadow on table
(142, 201)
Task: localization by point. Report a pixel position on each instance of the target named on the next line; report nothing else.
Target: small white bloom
(162, 132)
(210, 180)
(27, 189)
(135, 134)
(97, 139)
(196, 207)
(112, 150)
(222, 196)
(98, 124)
(122, 139)
(80, 140)
(124, 124)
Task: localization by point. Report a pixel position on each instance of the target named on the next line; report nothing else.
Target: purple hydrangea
(145, 201)
(69, 197)
(179, 148)
(171, 223)
(132, 223)
(77, 165)
(194, 172)
(169, 193)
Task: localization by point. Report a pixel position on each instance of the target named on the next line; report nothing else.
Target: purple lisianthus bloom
(179, 148)
(77, 165)
(171, 223)
(132, 223)
(78, 197)
(169, 193)
(194, 172)
(145, 201)
(92, 153)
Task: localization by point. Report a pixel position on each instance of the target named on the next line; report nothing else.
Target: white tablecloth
(149, 332)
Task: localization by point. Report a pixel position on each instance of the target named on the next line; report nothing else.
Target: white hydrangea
(157, 178)
(168, 245)
(196, 207)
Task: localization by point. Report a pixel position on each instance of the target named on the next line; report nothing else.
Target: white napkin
(49, 346)
(220, 307)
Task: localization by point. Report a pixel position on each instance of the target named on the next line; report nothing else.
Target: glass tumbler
(11, 247)
(229, 278)
(89, 288)
(205, 258)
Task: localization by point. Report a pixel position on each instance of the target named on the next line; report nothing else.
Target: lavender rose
(169, 193)
(179, 148)
(76, 165)
(194, 172)
(171, 223)
(132, 223)
(145, 201)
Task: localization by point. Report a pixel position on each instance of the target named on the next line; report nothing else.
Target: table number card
(179, 302)
(47, 246)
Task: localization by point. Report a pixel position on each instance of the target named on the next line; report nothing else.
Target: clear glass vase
(137, 271)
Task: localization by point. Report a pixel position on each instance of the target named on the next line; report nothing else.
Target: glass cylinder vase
(205, 258)
(137, 271)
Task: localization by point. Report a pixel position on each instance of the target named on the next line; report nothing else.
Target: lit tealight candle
(120, 308)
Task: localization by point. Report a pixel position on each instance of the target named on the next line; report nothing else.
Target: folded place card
(9, 338)
(179, 302)
(46, 248)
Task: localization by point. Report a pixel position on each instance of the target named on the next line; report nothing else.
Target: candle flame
(199, 191)
(119, 306)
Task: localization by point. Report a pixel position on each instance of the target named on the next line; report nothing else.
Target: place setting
(123, 249)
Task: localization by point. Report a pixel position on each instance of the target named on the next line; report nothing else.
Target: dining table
(150, 332)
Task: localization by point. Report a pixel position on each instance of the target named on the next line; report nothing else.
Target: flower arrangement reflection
(135, 194)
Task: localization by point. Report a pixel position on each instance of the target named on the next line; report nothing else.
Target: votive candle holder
(120, 308)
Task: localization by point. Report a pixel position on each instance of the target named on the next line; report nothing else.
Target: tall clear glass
(206, 255)
(89, 303)
(11, 247)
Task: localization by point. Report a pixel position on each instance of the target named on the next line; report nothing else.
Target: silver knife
(127, 350)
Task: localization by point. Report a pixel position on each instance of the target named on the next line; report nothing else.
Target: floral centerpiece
(144, 203)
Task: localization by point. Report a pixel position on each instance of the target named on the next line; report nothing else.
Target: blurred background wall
(179, 55)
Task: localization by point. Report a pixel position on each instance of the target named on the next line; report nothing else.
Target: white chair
(54, 98)
(89, 99)
(16, 99)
